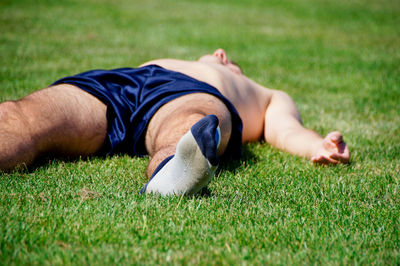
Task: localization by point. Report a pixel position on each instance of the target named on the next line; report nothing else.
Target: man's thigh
(66, 120)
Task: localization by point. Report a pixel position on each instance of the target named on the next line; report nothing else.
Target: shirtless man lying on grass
(185, 114)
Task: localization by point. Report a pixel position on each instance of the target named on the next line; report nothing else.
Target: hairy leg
(60, 120)
(284, 130)
(175, 119)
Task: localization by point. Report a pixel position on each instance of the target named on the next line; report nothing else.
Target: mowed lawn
(338, 59)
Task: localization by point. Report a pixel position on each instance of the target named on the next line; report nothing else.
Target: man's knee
(175, 118)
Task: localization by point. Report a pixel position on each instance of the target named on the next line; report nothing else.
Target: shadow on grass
(47, 161)
(227, 165)
(231, 166)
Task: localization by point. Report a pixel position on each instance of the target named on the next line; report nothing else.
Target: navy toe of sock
(207, 137)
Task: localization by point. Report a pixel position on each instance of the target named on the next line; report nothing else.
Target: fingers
(344, 153)
(336, 149)
(324, 160)
(333, 158)
(335, 136)
(340, 157)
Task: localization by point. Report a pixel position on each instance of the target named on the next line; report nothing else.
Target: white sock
(194, 163)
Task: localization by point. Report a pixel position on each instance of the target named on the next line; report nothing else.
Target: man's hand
(333, 150)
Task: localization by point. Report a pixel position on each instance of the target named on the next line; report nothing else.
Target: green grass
(339, 60)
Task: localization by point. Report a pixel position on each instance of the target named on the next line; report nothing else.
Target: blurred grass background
(339, 60)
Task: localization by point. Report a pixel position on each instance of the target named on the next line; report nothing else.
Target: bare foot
(333, 150)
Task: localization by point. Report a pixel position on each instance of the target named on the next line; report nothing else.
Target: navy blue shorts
(133, 95)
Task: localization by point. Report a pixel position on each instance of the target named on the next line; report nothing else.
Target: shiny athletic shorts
(133, 95)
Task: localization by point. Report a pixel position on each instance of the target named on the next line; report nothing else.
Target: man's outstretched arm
(284, 130)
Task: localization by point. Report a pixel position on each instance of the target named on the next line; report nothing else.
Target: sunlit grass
(339, 60)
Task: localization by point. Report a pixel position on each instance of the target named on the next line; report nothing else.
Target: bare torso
(249, 98)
